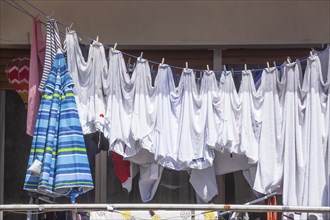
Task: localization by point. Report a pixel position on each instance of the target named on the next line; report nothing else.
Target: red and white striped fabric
(17, 73)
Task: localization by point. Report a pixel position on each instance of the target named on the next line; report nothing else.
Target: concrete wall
(190, 23)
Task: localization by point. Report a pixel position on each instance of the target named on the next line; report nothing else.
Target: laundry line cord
(24, 10)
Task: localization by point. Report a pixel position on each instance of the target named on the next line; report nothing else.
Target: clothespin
(275, 64)
(268, 67)
(288, 60)
(114, 47)
(245, 67)
(311, 53)
(207, 67)
(71, 26)
(141, 55)
(225, 68)
(163, 60)
(187, 65)
(97, 38)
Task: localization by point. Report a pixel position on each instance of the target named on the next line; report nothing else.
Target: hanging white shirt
(293, 118)
(229, 106)
(251, 121)
(193, 151)
(87, 79)
(269, 171)
(314, 136)
(165, 146)
(119, 89)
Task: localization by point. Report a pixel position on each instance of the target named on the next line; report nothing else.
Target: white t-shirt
(229, 106)
(87, 79)
(314, 136)
(269, 171)
(293, 119)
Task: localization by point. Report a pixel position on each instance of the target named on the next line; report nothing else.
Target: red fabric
(272, 215)
(122, 167)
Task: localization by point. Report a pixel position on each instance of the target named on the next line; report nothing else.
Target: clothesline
(22, 9)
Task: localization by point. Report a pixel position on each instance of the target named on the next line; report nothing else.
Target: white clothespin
(141, 55)
(207, 67)
(225, 68)
(268, 67)
(275, 64)
(114, 47)
(288, 60)
(311, 53)
(245, 67)
(187, 65)
(71, 26)
(97, 38)
(163, 60)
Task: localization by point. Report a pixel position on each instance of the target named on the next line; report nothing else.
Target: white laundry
(193, 151)
(165, 147)
(325, 64)
(293, 118)
(119, 89)
(150, 176)
(251, 121)
(144, 107)
(210, 96)
(229, 106)
(269, 171)
(314, 136)
(87, 79)
(226, 162)
(204, 183)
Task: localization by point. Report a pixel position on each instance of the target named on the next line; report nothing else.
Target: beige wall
(186, 23)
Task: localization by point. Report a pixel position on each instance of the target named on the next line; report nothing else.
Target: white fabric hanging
(293, 118)
(144, 107)
(325, 65)
(193, 151)
(119, 89)
(204, 181)
(229, 106)
(269, 171)
(251, 118)
(87, 78)
(314, 136)
(165, 147)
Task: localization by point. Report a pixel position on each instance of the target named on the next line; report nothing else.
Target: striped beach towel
(58, 140)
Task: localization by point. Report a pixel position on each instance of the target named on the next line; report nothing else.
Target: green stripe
(72, 149)
(73, 183)
(45, 96)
